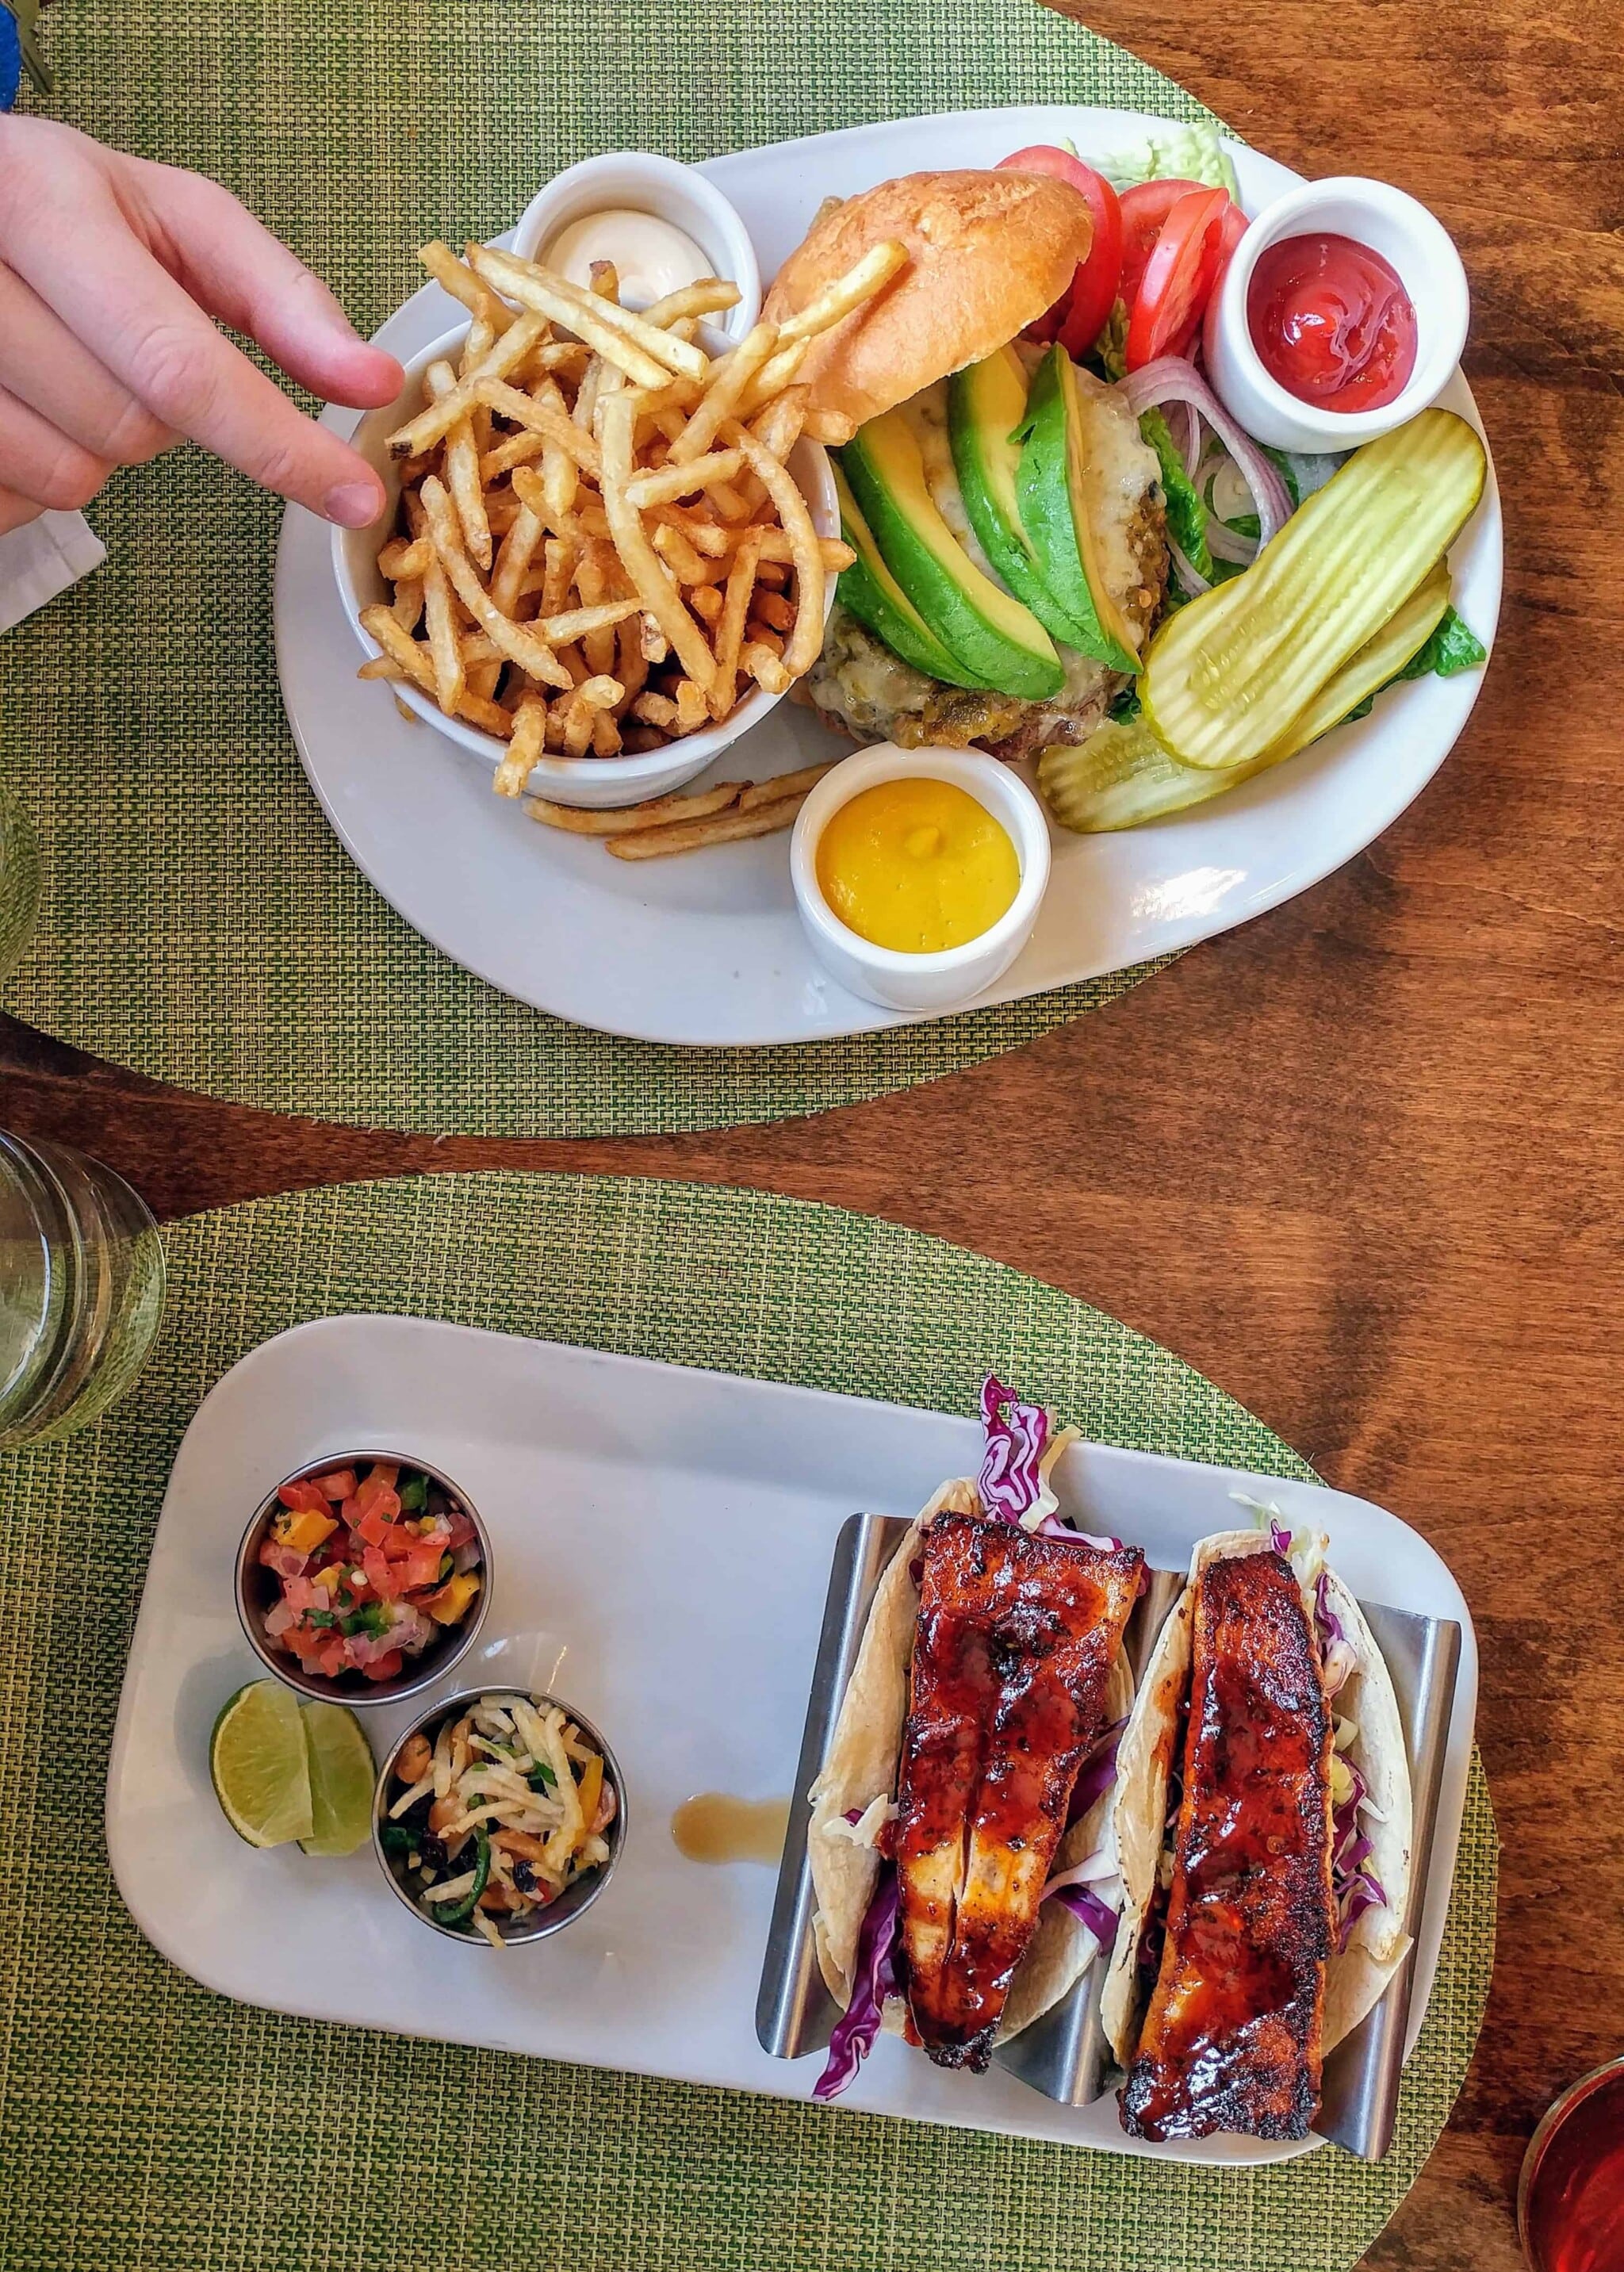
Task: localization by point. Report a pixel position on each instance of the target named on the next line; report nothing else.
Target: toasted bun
(988, 252)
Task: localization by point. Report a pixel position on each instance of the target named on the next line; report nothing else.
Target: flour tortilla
(863, 1756)
(1356, 1976)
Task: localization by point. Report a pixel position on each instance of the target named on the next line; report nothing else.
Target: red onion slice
(1174, 378)
(1223, 544)
(1190, 576)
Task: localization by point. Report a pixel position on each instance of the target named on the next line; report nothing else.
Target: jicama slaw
(495, 1809)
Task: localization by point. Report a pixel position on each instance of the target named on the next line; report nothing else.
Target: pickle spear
(1227, 677)
(1122, 775)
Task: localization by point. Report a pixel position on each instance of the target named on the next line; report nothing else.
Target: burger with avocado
(1004, 509)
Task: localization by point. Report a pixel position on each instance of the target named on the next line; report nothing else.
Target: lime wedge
(257, 1764)
(342, 1778)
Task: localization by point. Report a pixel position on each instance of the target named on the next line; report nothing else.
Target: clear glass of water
(19, 883)
(81, 1289)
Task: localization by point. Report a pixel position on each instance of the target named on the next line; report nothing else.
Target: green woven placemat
(201, 923)
(151, 2126)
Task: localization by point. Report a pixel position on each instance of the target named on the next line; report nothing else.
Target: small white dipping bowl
(957, 974)
(637, 181)
(594, 782)
(1403, 232)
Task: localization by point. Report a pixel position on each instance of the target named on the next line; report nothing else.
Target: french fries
(728, 813)
(598, 546)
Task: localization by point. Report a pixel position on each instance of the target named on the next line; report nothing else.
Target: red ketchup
(1332, 322)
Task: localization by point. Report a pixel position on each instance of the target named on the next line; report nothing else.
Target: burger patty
(862, 688)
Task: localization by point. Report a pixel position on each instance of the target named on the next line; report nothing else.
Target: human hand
(110, 270)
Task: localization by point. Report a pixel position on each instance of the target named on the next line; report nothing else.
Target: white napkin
(42, 559)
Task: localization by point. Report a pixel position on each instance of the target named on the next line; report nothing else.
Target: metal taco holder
(1064, 2055)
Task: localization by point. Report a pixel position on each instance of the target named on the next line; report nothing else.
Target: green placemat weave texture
(201, 922)
(150, 2125)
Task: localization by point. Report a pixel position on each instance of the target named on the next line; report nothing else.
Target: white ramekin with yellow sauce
(915, 860)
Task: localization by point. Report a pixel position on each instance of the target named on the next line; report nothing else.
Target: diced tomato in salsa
(383, 1497)
(383, 1576)
(377, 1555)
(420, 1567)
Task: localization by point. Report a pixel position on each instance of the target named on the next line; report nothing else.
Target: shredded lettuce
(1187, 515)
(1172, 152)
(1306, 1550)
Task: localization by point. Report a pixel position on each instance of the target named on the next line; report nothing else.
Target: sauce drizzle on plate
(715, 1827)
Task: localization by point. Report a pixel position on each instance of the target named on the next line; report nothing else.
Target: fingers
(15, 511)
(147, 330)
(239, 272)
(38, 462)
(43, 364)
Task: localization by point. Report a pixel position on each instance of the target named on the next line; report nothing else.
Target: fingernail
(353, 505)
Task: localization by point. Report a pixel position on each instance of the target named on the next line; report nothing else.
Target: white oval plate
(707, 949)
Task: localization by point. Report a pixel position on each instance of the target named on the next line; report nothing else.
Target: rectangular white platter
(707, 950)
(660, 1541)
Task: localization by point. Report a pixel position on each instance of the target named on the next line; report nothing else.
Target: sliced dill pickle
(1123, 775)
(1227, 677)
(1399, 641)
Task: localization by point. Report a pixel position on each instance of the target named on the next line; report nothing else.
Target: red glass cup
(1570, 2196)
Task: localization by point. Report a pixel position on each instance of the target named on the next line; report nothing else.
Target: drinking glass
(19, 883)
(81, 1289)
(1570, 2197)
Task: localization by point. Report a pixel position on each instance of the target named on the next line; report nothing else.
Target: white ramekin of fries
(612, 537)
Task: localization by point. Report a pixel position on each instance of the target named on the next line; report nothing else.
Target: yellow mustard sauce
(917, 865)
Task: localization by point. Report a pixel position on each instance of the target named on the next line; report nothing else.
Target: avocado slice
(991, 634)
(1052, 492)
(986, 404)
(873, 595)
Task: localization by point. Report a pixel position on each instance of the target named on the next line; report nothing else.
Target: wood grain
(1362, 1162)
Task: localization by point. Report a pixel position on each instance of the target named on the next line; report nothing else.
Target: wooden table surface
(1360, 1162)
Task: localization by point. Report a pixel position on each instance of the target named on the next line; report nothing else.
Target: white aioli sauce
(650, 256)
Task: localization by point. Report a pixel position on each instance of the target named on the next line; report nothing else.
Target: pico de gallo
(374, 1561)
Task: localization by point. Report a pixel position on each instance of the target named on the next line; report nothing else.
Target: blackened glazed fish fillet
(1232, 2038)
(1015, 1640)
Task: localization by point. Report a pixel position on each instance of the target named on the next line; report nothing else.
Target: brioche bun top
(989, 252)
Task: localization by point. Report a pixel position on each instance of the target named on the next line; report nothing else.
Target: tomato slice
(1167, 307)
(1216, 254)
(1144, 208)
(1081, 315)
